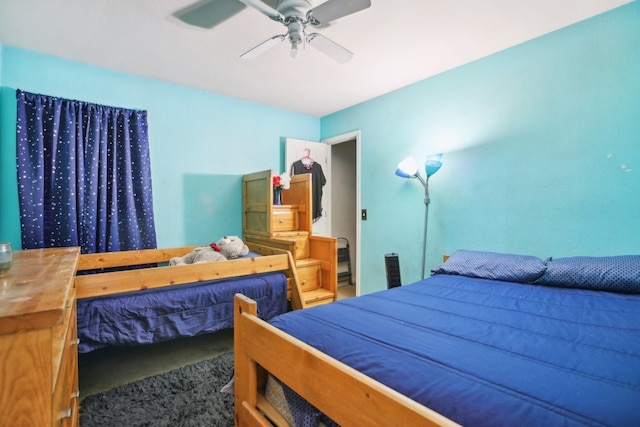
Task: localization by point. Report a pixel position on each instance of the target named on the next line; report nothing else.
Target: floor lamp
(408, 168)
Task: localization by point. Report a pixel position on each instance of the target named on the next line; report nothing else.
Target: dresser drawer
(65, 392)
(309, 275)
(62, 395)
(301, 246)
(300, 240)
(284, 218)
(72, 375)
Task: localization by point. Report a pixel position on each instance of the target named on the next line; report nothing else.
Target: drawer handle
(65, 414)
(281, 221)
(304, 281)
(75, 395)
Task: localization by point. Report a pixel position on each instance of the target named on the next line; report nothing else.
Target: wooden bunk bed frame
(347, 396)
(115, 282)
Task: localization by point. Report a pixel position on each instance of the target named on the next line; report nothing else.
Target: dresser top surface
(34, 292)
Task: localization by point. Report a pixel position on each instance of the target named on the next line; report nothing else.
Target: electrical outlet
(364, 214)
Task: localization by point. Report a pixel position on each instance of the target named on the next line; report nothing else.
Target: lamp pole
(426, 218)
(425, 183)
(408, 168)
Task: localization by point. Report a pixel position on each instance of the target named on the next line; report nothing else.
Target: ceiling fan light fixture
(296, 37)
(294, 52)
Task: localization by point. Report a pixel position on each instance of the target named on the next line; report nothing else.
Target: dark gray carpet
(188, 396)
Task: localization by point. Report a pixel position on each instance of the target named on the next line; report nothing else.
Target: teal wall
(541, 148)
(201, 143)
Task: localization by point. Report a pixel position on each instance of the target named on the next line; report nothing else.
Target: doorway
(343, 208)
(341, 200)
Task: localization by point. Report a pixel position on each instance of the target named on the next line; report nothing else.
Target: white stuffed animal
(228, 247)
(232, 247)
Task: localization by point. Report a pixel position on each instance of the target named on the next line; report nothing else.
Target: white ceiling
(395, 42)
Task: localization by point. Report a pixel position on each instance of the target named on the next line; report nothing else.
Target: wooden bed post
(245, 370)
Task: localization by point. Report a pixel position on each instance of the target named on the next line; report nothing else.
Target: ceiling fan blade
(334, 9)
(272, 3)
(264, 9)
(329, 48)
(209, 13)
(262, 47)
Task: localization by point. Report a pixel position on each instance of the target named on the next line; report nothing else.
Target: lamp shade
(433, 164)
(408, 168)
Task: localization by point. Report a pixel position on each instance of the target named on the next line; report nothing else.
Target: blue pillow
(612, 273)
(493, 266)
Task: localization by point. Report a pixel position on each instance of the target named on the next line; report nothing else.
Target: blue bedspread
(163, 314)
(490, 353)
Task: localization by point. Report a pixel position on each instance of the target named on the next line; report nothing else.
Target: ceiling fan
(296, 15)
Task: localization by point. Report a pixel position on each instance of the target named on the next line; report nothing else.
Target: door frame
(338, 139)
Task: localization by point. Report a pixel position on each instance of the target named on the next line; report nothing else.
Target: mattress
(162, 314)
(489, 352)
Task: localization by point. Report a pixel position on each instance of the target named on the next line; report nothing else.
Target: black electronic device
(392, 266)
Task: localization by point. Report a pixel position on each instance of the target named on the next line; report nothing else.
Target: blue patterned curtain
(84, 175)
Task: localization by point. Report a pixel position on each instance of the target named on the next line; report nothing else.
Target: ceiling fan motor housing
(294, 8)
(296, 34)
(294, 12)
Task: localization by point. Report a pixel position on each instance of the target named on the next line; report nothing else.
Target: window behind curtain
(84, 175)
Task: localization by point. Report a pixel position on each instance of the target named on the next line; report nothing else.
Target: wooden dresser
(289, 227)
(38, 339)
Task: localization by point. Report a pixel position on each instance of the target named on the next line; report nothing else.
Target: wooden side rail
(108, 283)
(315, 376)
(126, 258)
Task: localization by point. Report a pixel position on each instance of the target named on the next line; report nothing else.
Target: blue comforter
(163, 314)
(492, 353)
